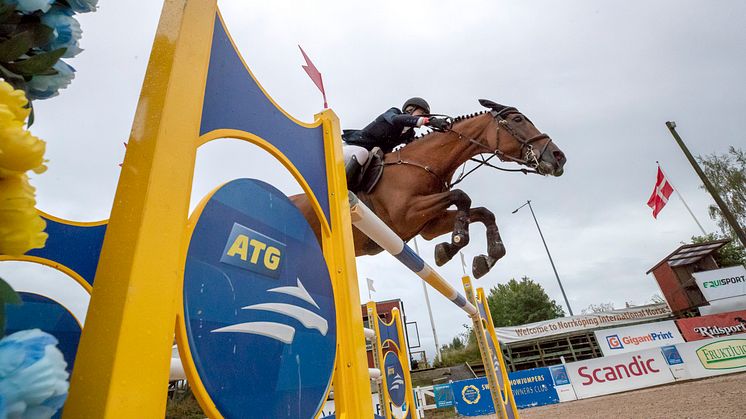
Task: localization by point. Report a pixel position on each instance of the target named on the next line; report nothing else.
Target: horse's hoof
(441, 254)
(496, 251)
(480, 266)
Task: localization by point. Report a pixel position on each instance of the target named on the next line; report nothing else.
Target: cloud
(600, 78)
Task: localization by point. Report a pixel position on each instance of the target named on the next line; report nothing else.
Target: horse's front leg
(495, 247)
(456, 222)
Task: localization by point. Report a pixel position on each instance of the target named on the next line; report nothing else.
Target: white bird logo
(279, 331)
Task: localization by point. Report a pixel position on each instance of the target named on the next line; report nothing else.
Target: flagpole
(429, 310)
(704, 233)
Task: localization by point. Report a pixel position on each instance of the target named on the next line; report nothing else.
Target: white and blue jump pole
(372, 226)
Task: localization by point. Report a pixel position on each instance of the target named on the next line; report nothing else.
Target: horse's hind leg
(495, 247)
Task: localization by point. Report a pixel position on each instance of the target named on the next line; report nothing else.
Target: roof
(691, 253)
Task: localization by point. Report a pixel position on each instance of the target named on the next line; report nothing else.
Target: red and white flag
(661, 192)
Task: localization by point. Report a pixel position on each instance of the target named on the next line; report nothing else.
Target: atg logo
(254, 251)
(614, 342)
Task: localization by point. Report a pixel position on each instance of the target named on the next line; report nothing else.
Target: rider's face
(418, 112)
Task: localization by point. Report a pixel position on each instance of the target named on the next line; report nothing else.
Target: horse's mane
(456, 120)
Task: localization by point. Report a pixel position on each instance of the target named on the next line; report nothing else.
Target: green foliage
(183, 405)
(729, 255)
(521, 302)
(22, 41)
(463, 348)
(7, 296)
(727, 173)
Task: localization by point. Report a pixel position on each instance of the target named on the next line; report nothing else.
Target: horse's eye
(517, 119)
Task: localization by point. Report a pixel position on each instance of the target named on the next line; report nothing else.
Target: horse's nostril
(559, 156)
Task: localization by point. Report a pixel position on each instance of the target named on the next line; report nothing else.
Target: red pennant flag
(314, 74)
(661, 192)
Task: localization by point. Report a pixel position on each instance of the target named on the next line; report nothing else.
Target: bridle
(527, 156)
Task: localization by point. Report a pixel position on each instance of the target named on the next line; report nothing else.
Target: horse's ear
(491, 105)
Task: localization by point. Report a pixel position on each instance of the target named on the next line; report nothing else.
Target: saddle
(371, 172)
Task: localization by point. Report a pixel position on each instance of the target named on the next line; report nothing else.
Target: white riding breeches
(360, 153)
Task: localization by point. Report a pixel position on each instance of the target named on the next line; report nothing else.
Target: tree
(727, 173)
(729, 255)
(598, 308)
(521, 302)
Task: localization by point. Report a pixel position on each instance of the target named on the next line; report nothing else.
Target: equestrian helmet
(418, 102)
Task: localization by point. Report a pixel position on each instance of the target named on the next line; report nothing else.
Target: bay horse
(415, 190)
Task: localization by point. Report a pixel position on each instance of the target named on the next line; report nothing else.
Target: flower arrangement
(34, 37)
(21, 228)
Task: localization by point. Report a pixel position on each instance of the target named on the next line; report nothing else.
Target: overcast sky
(601, 78)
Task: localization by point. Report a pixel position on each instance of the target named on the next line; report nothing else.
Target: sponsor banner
(473, 397)
(443, 394)
(713, 326)
(724, 306)
(705, 358)
(533, 387)
(638, 337)
(722, 283)
(566, 393)
(616, 373)
(583, 322)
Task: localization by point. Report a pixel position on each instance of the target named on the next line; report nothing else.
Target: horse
(415, 192)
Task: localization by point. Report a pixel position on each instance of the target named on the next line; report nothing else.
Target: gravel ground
(721, 397)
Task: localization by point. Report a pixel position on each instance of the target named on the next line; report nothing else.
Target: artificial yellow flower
(15, 100)
(20, 151)
(21, 228)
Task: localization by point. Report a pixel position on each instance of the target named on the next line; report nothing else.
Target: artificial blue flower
(30, 6)
(33, 379)
(67, 31)
(83, 6)
(44, 87)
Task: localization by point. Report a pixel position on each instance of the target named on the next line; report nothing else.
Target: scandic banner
(638, 337)
(582, 322)
(713, 326)
(612, 374)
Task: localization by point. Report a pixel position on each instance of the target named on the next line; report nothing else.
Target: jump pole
(372, 226)
(489, 347)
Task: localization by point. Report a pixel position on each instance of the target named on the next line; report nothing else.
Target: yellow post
(352, 398)
(500, 391)
(123, 359)
(404, 360)
(378, 359)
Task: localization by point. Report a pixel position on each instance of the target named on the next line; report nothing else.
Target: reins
(528, 156)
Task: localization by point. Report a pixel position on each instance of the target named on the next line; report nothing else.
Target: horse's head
(520, 141)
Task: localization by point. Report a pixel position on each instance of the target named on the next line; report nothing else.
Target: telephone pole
(708, 185)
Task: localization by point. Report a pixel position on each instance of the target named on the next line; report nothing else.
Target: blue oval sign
(394, 378)
(258, 305)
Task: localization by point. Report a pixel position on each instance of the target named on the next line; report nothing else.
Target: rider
(387, 131)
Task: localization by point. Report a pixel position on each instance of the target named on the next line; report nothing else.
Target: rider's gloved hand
(439, 123)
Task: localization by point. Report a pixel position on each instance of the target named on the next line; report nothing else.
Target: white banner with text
(582, 322)
(638, 337)
(612, 374)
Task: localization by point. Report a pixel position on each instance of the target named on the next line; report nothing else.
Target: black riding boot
(352, 170)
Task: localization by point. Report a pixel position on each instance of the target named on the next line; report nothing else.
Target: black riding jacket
(386, 131)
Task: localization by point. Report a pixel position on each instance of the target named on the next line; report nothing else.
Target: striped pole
(372, 226)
